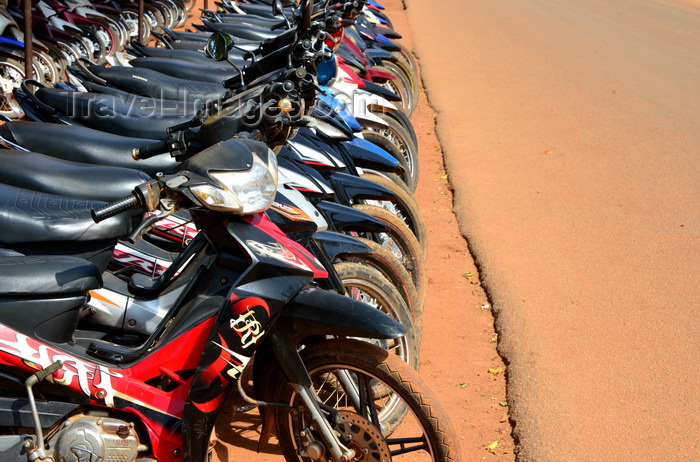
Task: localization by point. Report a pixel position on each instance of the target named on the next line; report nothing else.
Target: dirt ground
(458, 359)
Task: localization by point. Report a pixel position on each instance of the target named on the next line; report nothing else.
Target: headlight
(241, 192)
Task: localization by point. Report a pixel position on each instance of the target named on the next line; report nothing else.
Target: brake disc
(358, 434)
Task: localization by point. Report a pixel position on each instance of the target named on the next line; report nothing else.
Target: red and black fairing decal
(279, 247)
(134, 389)
(232, 342)
(126, 257)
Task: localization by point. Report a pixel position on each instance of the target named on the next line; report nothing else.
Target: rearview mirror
(218, 46)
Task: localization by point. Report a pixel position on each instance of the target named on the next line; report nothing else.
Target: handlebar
(115, 208)
(150, 150)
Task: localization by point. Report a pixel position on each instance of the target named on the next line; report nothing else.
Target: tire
(408, 80)
(391, 268)
(11, 76)
(367, 285)
(341, 368)
(405, 55)
(178, 12)
(400, 241)
(405, 122)
(83, 48)
(69, 53)
(404, 67)
(129, 18)
(110, 35)
(59, 58)
(189, 5)
(400, 137)
(383, 142)
(46, 67)
(98, 49)
(405, 208)
(402, 88)
(118, 29)
(154, 15)
(167, 13)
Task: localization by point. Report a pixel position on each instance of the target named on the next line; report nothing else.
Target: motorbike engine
(86, 438)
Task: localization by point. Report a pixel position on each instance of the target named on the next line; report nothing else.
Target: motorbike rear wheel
(346, 375)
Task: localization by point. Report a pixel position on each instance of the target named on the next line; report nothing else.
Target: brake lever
(148, 224)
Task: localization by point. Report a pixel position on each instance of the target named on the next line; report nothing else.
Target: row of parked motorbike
(224, 210)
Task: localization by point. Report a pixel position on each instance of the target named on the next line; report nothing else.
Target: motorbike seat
(42, 296)
(157, 85)
(195, 45)
(243, 31)
(84, 145)
(31, 217)
(187, 69)
(40, 172)
(252, 20)
(41, 274)
(140, 117)
(187, 55)
(175, 38)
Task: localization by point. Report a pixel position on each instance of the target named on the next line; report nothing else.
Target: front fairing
(331, 103)
(276, 271)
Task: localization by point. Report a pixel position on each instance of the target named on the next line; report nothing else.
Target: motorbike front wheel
(383, 411)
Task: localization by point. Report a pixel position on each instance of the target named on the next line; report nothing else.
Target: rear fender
(12, 50)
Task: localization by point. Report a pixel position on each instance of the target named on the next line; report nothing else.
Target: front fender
(345, 218)
(316, 312)
(334, 244)
(365, 157)
(350, 187)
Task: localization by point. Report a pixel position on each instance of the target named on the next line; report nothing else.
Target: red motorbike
(71, 394)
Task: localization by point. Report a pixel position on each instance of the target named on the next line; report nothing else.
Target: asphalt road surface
(571, 132)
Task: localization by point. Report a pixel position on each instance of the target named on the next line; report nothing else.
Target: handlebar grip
(183, 126)
(115, 208)
(48, 370)
(149, 150)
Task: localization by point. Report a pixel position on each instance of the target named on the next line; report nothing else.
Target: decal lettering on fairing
(74, 371)
(250, 313)
(248, 328)
(293, 213)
